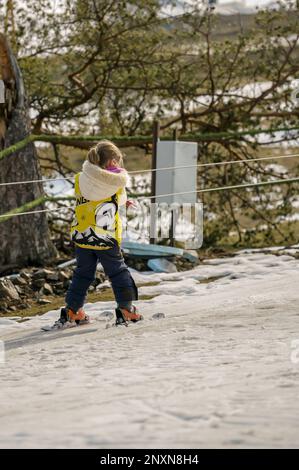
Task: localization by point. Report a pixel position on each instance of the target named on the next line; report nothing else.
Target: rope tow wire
(202, 165)
(43, 180)
(199, 165)
(35, 212)
(221, 188)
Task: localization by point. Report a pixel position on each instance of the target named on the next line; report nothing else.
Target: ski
(57, 326)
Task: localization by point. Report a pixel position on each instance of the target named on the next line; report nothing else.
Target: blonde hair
(103, 152)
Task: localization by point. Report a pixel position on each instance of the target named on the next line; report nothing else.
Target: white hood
(96, 183)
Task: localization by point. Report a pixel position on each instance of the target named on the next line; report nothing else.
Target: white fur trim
(96, 183)
(122, 197)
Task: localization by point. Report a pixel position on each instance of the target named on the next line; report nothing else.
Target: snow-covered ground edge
(248, 264)
(220, 370)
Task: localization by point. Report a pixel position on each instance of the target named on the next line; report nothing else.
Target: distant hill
(234, 8)
(235, 16)
(243, 7)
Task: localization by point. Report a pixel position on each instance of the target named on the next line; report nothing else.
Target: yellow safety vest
(96, 224)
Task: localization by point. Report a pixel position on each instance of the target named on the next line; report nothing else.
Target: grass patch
(103, 295)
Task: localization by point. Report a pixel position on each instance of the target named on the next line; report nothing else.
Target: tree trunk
(24, 239)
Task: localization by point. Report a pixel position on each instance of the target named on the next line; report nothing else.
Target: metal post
(156, 134)
(172, 218)
(2, 92)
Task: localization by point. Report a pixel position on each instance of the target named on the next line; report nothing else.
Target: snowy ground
(220, 370)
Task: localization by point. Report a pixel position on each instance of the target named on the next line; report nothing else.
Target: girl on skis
(96, 232)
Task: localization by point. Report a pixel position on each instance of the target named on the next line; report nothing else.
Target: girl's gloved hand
(131, 203)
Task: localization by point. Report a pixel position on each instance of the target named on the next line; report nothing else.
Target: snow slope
(220, 370)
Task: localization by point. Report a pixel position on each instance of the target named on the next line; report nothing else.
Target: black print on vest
(105, 214)
(81, 200)
(89, 237)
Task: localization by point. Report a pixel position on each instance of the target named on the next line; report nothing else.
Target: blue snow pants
(115, 268)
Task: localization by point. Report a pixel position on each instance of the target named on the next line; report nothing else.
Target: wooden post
(156, 133)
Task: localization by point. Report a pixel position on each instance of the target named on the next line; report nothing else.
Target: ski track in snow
(215, 372)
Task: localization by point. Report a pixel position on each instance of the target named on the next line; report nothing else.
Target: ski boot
(124, 316)
(67, 315)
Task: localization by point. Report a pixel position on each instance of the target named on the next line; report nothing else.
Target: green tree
(102, 66)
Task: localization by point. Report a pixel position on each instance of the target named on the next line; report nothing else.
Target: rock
(63, 276)
(106, 315)
(25, 275)
(43, 301)
(12, 308)
(191, 255)
(19, 289)
(27, 290)
(158, 316)
(41, 274)
(38, 283)
(59, 291)
(3, 306)
(47, 289)
(20, 281)
(52, 277)
(24, 305)
(58, 285)
(8, 290)
(161, 265)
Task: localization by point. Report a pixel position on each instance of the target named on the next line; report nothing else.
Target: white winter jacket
(96, 183)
